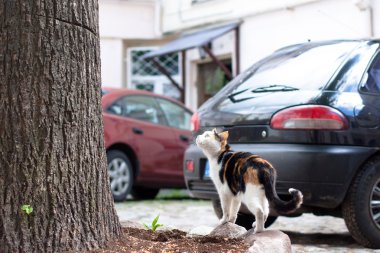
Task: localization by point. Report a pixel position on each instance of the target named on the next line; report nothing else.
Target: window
(144, 75)
(293, 68)
(116, 108)
(138, 107)
(176, 116)
(352, 71)
(372, 77)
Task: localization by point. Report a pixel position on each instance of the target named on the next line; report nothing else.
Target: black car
(313, 111)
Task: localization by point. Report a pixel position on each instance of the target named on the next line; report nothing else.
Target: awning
(192, 40)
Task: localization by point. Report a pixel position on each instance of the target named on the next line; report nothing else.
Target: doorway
(211, 79)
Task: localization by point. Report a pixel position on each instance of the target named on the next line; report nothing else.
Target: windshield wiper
(270, 88)
(232, 96)
(274, 88)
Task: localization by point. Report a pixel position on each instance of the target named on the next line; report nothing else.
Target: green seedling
(27, 209)
(154, 224)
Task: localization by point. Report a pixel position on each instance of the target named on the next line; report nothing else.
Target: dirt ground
(308, 233)
(147, 241)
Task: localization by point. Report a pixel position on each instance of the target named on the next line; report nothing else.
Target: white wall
(120, 20)
(182, 14)
(337, 19)
(376, 17)
(111, 55)
(133, 19)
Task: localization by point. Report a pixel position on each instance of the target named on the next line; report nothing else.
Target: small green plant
(154, 224)
(27, 209)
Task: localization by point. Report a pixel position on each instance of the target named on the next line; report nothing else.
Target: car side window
(176, 116)
(138, 107)
(143, 108)
(116, 108)
(371, 81)
(352, 71)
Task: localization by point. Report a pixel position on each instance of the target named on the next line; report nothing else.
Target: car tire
(121, 174)
(144, 193)
(244, 220)
(361, 207)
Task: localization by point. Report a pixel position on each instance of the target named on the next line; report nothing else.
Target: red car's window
(138, 107)
(176, 116)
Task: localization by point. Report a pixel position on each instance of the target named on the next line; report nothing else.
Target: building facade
(130, 29)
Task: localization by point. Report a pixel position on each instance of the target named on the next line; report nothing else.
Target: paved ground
(308, 233)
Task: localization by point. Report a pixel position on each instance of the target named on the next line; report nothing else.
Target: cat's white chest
(214, 173)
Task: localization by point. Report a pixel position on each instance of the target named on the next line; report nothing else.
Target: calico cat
(243, 177)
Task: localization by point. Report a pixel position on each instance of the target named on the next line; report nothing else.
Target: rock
(132, 224)
(229, 230)
(166, 228)
(200, 231)
(268, 241)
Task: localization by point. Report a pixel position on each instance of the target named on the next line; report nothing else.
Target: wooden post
(237, 50)
(167, 74)
(226, 71)
(183, 98)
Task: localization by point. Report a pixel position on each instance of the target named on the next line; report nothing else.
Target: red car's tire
(121, 174)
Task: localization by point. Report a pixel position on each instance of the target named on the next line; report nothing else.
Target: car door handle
(184, 138)
(137, 130)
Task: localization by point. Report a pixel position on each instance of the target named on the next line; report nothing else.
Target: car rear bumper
(322, 172)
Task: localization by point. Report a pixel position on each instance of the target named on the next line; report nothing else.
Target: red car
(145, 137)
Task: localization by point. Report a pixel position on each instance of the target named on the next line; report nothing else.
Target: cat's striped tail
(282, 207)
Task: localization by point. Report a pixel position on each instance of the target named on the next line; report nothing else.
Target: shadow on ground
(167, 194)
(334, 240)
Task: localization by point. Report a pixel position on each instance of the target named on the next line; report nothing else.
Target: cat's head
(212, 142)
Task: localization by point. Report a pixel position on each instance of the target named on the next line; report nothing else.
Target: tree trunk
(52, 154)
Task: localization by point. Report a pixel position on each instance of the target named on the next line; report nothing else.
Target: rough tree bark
(52, 153)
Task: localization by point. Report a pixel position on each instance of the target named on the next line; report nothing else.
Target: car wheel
(244, 220)
(121, 174)
(142, 193)
(361, 208)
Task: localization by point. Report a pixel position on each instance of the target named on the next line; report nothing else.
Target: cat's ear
(223, 136)
(216, 134)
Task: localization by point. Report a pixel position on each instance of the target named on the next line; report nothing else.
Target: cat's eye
(207, 135)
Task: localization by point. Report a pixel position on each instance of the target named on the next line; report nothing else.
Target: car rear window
(308, 67)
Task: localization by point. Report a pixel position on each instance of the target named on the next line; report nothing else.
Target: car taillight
(195, 122)
(313, 117)
(190, 166)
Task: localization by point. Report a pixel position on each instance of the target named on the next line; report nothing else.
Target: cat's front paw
(257, 230)
(254, 225)
(224, 220)
(233, 219)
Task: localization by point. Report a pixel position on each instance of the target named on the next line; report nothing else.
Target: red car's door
(178, 118)
(154, 141)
